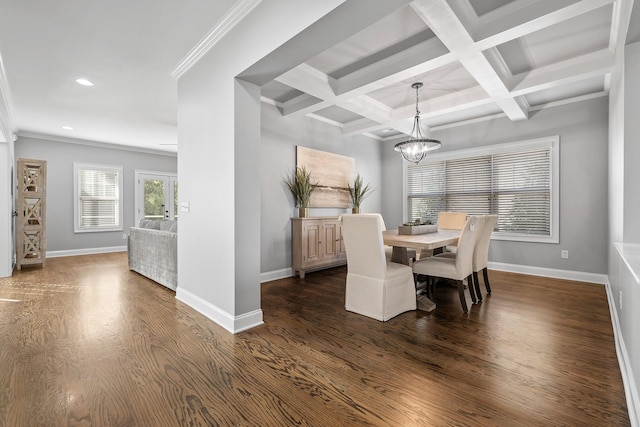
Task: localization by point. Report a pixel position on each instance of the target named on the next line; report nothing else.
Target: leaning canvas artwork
(334, 172)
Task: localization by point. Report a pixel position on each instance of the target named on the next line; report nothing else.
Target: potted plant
(300, 185)
(358, 192)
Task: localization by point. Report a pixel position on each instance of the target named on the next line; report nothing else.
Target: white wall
(280, 136)
(61, 239)
(6, 217)
(6, 191)
(582, 128)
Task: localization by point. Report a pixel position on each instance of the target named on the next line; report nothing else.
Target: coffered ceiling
(476, 58)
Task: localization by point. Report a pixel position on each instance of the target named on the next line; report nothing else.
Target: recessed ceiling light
(387, 130)
(84, 82)
(67, 128)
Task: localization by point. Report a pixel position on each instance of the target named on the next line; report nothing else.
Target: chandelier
(415, 149)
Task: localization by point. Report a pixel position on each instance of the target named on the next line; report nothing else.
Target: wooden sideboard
(316, 243)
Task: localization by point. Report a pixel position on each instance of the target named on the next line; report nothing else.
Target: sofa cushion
(154, 224)
(169, 225)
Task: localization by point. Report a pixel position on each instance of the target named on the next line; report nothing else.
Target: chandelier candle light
(415, 149)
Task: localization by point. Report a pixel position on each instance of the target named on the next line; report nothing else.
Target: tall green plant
(358, 192)
(300, 185)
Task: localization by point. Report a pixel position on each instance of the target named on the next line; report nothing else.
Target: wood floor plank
(86, 342)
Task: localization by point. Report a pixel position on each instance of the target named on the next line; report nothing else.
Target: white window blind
(98, 191)
(512, 180)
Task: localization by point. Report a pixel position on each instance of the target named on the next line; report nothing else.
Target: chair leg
(476, 284)
(471, 291)
(463, 299)
(486, 280)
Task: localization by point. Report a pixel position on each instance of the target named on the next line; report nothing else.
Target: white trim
(76, 197)
(630, 388)
(325, 120)
(556, 273)
(233, 324)
(108, 145)
(86, 251)
(241, 9)
(270, 101)
(276, 274)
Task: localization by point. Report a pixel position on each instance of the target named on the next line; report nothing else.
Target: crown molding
(95, 144)
(241, 9)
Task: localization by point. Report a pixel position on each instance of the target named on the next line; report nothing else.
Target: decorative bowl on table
(417, 228)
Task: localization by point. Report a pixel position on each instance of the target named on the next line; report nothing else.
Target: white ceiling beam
(565, 72)
(315, 82)
(420, 58)
(535, 17)
(460, 100)
(555, 75)
(301, 102)
(368, 107)
(442, 20)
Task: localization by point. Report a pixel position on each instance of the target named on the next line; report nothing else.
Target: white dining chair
(375, 287)
(458, 267)
(481, 254)
(479, 261)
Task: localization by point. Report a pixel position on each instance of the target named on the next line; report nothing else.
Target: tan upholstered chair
(447, 221)
(375, 287)
(457, 267)
(451, 220)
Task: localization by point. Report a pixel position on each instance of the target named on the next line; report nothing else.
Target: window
(97, 198)
(518, 181)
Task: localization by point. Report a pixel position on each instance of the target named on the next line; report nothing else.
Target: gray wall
(583, 131)
(60, 157)
(280, 136)
(624, 208)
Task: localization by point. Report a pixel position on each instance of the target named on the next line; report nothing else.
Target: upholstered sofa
(153, 251)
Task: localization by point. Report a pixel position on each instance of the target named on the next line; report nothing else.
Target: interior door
(157, 196)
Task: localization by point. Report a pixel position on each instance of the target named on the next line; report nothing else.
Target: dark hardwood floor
(86, 342)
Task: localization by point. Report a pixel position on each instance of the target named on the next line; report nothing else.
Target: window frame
(77, 166)
(550, 142)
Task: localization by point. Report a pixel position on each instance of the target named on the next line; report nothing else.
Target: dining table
(430, 241)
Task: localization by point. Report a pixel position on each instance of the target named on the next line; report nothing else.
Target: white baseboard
(630, 388)
(578, 276)
(87, 251)
(512, 268)
(233, 324)
(276, 274)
